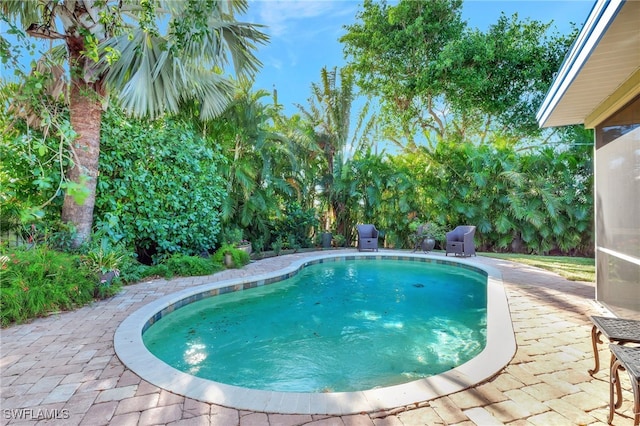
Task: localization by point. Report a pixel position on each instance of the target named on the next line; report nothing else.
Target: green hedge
(159, 186)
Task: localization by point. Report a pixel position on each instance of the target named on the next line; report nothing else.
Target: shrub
(339, 240)
(232, 235)
(258, 245)
(240, 257)
(39, 281)
(159, 188)
(103, 256)
(295, 227)
(132, 272)
(30, 175)
(54, 233)
(174, 265)
(277, 246)
(160, 270)
(186, 266)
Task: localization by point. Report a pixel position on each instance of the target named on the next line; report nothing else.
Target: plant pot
(326, 240)
(107, 277)
(228, 260)
(428, 244)
(245, 248)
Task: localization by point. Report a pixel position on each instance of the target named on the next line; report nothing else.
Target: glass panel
(618, 285)
(618, 195)
(618, 211)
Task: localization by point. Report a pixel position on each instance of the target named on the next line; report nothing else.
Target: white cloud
(295, 18)
(275, 62)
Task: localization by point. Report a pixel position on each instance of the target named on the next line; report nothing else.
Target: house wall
(617, 191)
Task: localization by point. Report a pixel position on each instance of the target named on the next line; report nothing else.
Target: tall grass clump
(187, 266)
(39, 281)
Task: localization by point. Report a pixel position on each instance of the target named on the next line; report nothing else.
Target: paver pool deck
(65, 366)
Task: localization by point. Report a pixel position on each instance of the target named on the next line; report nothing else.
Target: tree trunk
(85, 115)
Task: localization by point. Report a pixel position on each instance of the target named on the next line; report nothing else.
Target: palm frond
(150, 79)
(208, 33)
(26, 11)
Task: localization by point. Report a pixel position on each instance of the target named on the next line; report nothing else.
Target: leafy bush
(277, 246)
(174, 265)
(132, 271)
(103, 256)
(339, 240)
(296, 226)
(258, 245)
(135, 271)
(30, 170)
(240, 257)
(187, 266)
(54, 233)
(160, 270)
(159, 187)
(36, 282)
(232, 235)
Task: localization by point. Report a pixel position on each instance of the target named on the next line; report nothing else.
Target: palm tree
(116, 47)
(329, 114)
(252, 149)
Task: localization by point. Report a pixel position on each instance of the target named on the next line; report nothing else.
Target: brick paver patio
(63, 370)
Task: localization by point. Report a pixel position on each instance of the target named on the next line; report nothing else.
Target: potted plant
(434, 232)
(104, 260)
(244, 245)
(235, 238)
(425, 235)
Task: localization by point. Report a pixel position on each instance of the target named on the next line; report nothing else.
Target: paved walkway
(63, 370)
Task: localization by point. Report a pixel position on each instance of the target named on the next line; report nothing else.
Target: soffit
(612, 62)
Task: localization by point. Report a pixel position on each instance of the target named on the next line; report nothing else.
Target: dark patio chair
(460, 241)
(367, 237)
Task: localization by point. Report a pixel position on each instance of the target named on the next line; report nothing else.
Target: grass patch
(572, 268)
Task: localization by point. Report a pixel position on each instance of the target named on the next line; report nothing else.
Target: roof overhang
(601, 72)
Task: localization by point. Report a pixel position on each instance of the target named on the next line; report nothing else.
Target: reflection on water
(194, 355)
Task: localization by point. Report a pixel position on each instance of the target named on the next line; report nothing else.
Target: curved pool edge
(498, 352)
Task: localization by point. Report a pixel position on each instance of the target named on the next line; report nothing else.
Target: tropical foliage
(329, 118)
(437, 79)
(38, 281)
(262, 164)
(533, 201)
(116, 47)
(216, 162)
(160, 188)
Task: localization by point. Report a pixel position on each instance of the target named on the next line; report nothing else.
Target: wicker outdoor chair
(460, 241)
(367, 237)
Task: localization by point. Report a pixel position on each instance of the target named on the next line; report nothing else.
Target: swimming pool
(339, 326)
(500, 347)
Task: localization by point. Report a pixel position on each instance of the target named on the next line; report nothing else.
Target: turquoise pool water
(333, 327)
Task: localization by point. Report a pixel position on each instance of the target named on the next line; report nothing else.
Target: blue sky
(304, 35)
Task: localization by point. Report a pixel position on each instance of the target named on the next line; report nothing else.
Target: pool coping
(498, 352)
